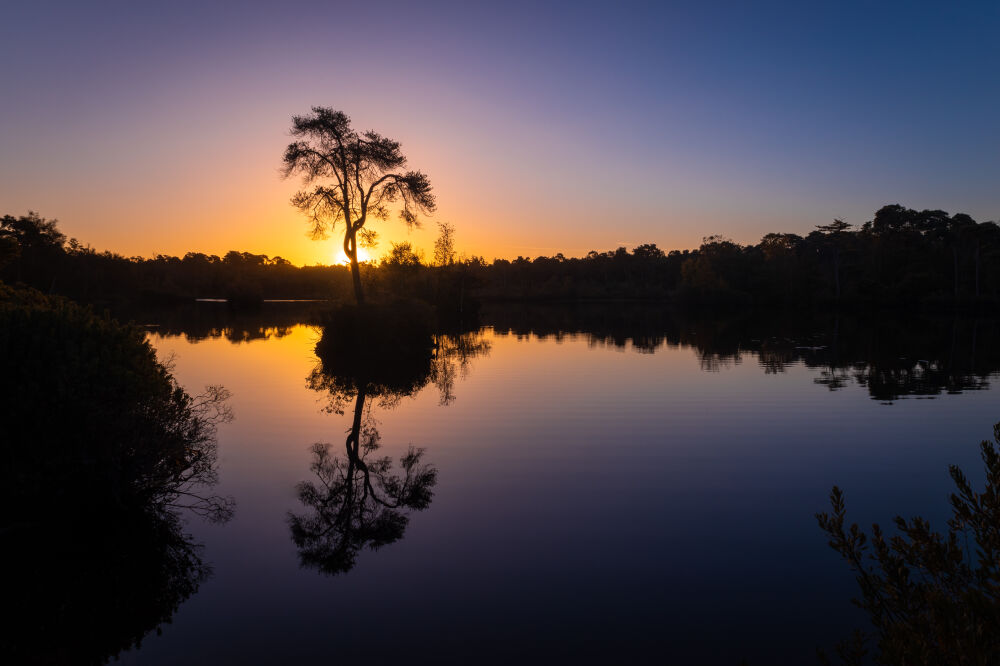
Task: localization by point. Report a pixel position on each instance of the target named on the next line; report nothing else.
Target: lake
(609, 485)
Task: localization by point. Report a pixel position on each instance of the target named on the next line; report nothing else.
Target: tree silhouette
(362, 174)
(932, 598)
(444, 245)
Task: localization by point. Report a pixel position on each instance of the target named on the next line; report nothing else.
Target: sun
(342, 259)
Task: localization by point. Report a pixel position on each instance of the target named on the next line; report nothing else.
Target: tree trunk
(836, 271)
(351, 242)
(351, 250)
(954, 253)
(359, 295)
(977, 270)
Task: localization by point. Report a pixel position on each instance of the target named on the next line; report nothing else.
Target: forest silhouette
(902, 257)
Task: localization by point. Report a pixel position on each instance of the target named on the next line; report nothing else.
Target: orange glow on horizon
(342, 260)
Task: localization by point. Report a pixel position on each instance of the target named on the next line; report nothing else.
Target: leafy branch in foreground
(932, 598)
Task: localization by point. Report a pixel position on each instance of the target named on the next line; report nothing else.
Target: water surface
(610, 486)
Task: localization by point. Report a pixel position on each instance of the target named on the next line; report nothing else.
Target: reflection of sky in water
(590, 500)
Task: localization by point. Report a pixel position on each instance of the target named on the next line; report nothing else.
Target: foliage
(32, 231)
(360, 174)
(932, 598)
(86, 398)
(34, 252)
(402, 255)
(902, 257)
(444, 245)
(101, 449)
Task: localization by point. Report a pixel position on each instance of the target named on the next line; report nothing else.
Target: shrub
(932, 598)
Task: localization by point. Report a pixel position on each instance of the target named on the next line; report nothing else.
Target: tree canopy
(353, 175)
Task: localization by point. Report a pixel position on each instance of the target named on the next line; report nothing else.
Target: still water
(606, 487)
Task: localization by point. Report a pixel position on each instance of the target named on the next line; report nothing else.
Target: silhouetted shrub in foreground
(932, 598)
(100, 449)
(85, 399)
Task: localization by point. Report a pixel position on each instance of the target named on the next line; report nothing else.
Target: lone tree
(361, 175)
(444, 246)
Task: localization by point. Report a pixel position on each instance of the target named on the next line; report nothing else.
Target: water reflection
(452, 360)
(891, 357)
(95, 563)
(210, 320)
(82, 589)
(699, 488)
(359, 500)
(362, 500)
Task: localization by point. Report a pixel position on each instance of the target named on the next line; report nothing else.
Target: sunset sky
(158, 127)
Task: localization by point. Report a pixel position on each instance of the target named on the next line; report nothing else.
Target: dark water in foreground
(611, 487)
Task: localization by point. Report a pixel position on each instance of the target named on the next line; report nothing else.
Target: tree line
(34, 252)
(901, 256)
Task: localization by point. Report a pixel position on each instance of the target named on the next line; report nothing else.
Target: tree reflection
(358, 500)
(217, 320)
(341, 377)
(453, 359)
(84, 588)
(361, 499)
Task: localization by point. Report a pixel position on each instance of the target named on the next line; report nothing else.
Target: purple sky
(544, 127)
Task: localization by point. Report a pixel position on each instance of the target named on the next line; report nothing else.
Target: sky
(156, 127)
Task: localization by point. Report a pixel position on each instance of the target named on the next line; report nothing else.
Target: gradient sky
(158, 127)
